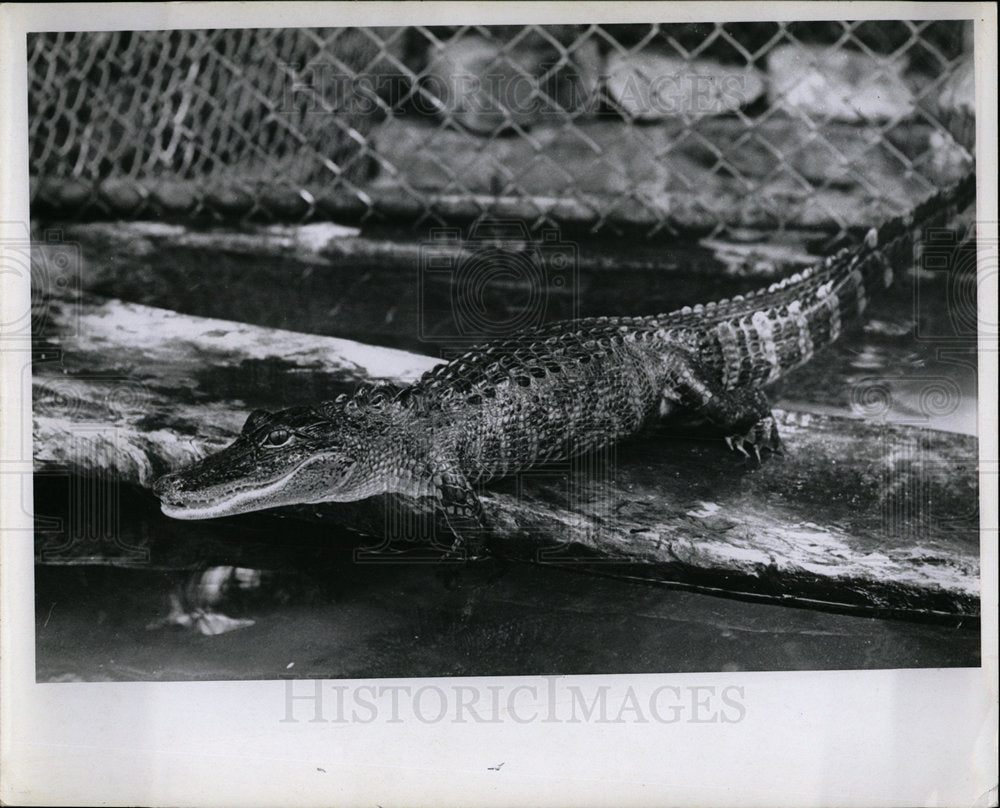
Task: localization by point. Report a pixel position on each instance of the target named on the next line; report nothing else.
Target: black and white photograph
(543, 349)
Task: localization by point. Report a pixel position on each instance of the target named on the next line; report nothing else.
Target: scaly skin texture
(553, 392)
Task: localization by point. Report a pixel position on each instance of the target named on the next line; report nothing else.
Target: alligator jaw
(225, 508)
(208, 505)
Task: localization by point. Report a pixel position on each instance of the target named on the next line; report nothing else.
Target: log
(596, 174)
(857, 515)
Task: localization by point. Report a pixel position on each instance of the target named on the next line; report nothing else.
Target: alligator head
(298, 455)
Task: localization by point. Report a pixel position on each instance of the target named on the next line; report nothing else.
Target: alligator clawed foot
(762, 435)
(470, 545)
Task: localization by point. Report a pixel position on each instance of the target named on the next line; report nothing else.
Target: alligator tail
(762, 336)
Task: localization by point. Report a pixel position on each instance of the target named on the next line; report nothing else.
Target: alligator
(552, 392)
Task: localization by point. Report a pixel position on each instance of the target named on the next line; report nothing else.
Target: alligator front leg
(743, 415)
(462, 512)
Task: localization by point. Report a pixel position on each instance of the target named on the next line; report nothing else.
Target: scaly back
(749, 339)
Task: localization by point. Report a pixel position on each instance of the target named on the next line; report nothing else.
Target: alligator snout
(179, 497)
(167, 486)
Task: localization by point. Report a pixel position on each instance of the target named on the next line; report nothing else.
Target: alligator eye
(277, 437)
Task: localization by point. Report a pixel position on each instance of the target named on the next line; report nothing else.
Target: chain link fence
(649, 128)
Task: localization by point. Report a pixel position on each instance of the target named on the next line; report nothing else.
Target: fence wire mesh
(658, 127)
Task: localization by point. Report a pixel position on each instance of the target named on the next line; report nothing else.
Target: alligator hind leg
(762, 434)
(745, 418)
(743, 414)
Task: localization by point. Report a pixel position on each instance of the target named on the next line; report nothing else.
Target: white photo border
(844, 738)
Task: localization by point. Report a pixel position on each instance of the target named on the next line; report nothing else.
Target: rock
(122, 196)
(955, 107)
(649, 85)
(958, 92)
(485, 86)
(839, 84)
